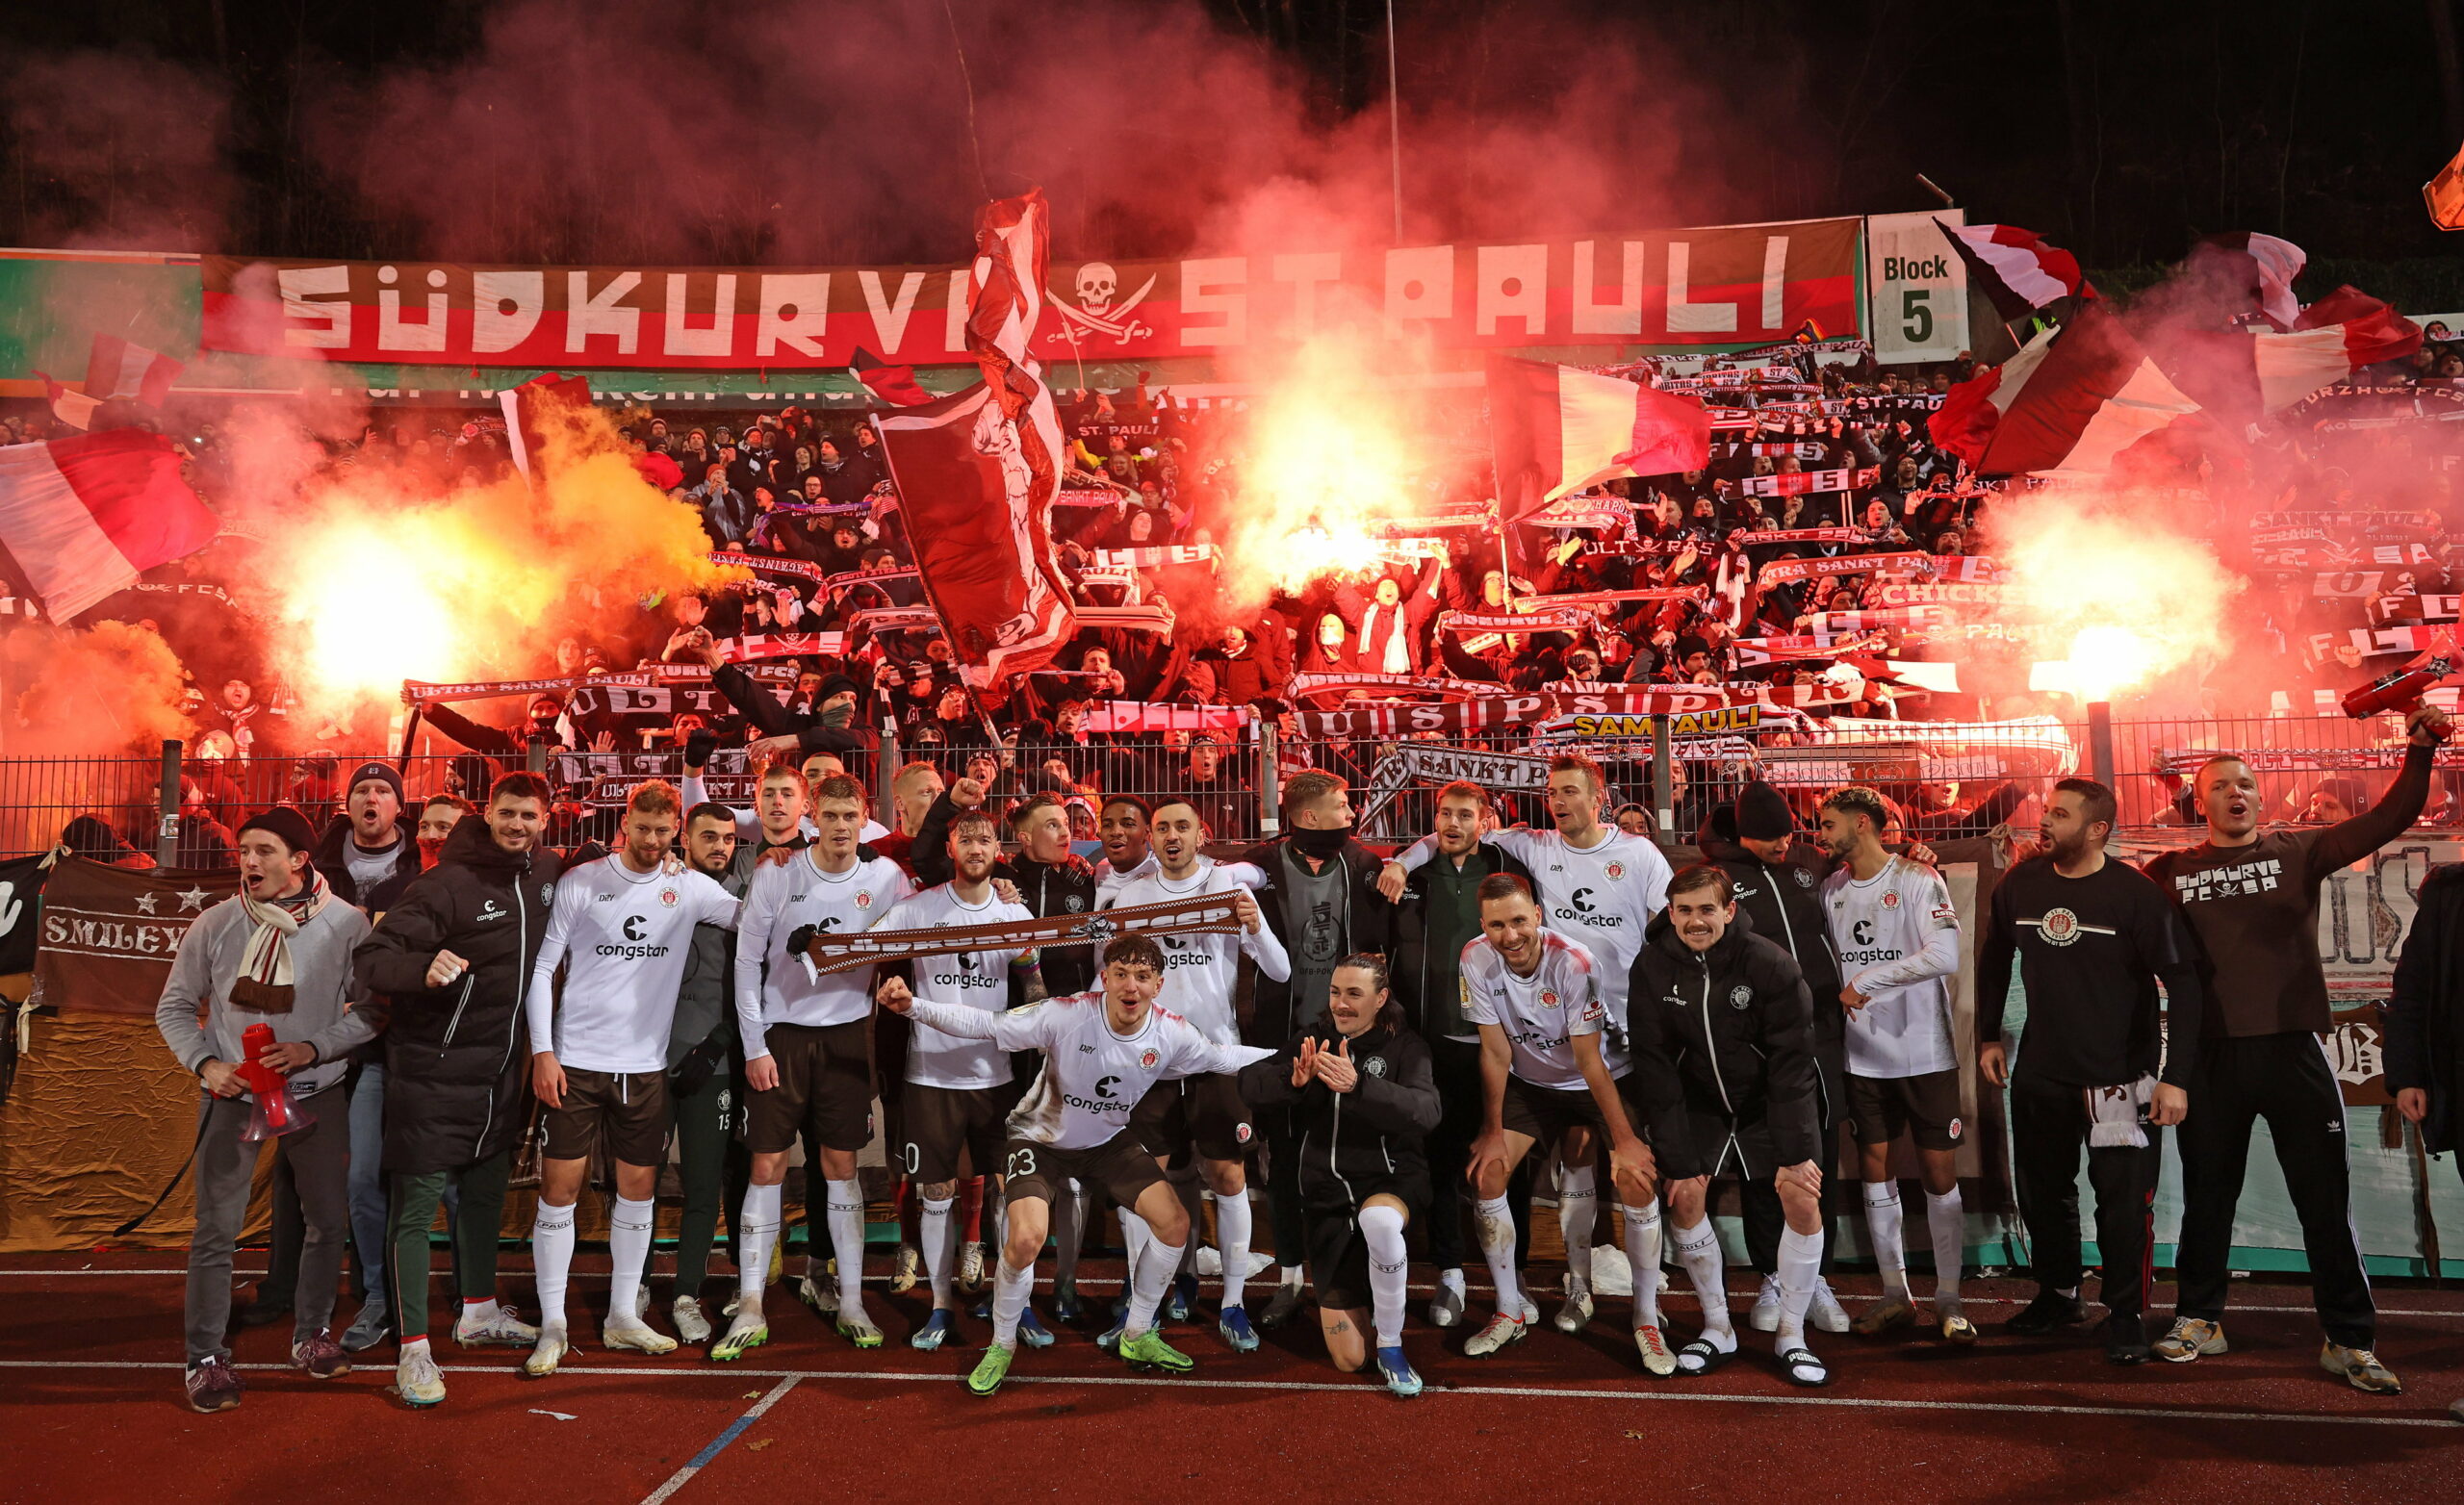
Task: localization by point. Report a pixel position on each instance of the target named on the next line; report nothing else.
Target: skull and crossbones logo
(1100, 308)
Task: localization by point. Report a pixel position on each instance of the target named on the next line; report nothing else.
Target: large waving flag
(1556, 429)
(83, 517)
(976, 471)
(2242, 373)
(2015, 267)
(2070, 402)
(114, 371)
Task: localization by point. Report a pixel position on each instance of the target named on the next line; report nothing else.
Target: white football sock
(1643, 1229)
(551, 1257)
(1800, 1272)
(1135, 1236)
(1698, 1249)
(1578, 1209)
(940, 1253)
(1882, 1223)
(847, 1241)
(1382, 1228)
(1153, 1273)
(1069, 1230)
(1010, 1291)
(1232, 1230)
(1946, 1219)
(758, 1236)
(629, 1248)
(1493, 1220)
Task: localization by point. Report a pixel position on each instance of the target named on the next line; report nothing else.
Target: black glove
(800, 939)
(698, 747)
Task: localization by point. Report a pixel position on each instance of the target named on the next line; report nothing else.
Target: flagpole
(924, 580)
(1395, 121)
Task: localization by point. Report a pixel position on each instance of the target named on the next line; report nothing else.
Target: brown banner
(1216, 914)
(109, 933)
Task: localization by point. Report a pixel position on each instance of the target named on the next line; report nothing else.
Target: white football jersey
(1110, 879)
(1092, 1078)
(1201, 971)
(1603, 895)
(624, 939)
(1542, 1014)
(1898, 940)
(965, 979)
(773, 987)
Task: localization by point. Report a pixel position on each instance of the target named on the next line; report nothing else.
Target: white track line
(718, 1445)
(1360, 1390)
(1113, 1282)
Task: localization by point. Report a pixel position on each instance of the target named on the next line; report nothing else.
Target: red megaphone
(261, 1080)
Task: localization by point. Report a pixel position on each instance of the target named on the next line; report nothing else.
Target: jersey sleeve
(1248, 875)
(713, 905)
(1026, 1029)
(967, 1024)
(1266, 949)
(1586, 1009)
(759, 917)
(1655, 874)
(539, 1003)
(1416, 856)
(1938, 933)
(1477, 1006)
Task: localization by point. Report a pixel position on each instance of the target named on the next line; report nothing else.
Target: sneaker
(2190, 1338)
(903, 1270)
(990, 1370)
(2125, 1336)
(212, 1385)
(633, 1335)
(1109, 1339)
(973, 1267)
(417, 1380)
(1446, 1308)
(1498, 1331)
(819, 1294)
(858, 1328)
(2050, 1310)
(982, 1310)
(1825, 1312)
(1765, 1315)
(691, 1326)
(1235, 1329)
(1147, 1352)
(1181, 1305)
(374, 1324)
(1531, 1308)
(503, 1328)
(1066, 1305)
(1032, 1332)
(320, 1356)
(938, 1326)
(1574, 1314)
(1652, 1343)
(747, 1331)
(1891, 1311)
(2359, 1369)
(1287, 1302)
(549, 1352)
(1396, 1371)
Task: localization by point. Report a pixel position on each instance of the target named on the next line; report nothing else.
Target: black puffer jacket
(1348, 1140)
(2424, 1020)
(1726, 1033)
(457, 1069)
(332, 859)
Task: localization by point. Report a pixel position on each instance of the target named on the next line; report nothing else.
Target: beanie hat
(836, 684)
(376, 770)
(286, 825)
(1761, 814)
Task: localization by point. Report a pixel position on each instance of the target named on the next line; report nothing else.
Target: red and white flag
(529, 411)
(83, 517)
(2273, 265)
(2015, 268)
(2241, 373)
(977, 470)
(115, 370)
(2070, 402)
(1555, 429)
(894, 384)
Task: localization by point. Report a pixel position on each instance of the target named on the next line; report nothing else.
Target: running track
(91, 1409)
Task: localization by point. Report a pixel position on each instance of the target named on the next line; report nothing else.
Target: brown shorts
(825, 1082)
(1544, 1114)
(1201, 1112)
(1121, 1165)
(633, 1108)
(1927, 1104)
(937, 1123)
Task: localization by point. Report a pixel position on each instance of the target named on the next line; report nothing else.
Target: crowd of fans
(813, 490)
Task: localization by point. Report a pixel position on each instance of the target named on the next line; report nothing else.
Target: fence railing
(1948, 780)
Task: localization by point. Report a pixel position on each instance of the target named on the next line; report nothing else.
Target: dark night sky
(551, 130)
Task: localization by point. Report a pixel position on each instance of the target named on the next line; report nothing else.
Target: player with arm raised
(1102, 1052)
(622, 927)
(807, 1048)
(1898, 940)
(1203, 1117)
(1603, 885)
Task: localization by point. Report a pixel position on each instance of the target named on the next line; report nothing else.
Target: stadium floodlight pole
(2100, 742)
(1395, 121)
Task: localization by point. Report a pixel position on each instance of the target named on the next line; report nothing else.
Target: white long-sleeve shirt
(1092, 1078)
(1898, 939)
(977, 980)
(627, 936)
(772, 986)
(1201, 972)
